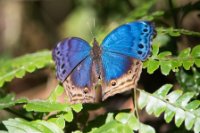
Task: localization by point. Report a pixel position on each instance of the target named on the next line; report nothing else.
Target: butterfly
(107, 69)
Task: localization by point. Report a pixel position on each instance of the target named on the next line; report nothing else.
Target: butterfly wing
(123, 50)
(120, 73)
(79, 84)
(74, 69)
(131, 39)
(68, 54)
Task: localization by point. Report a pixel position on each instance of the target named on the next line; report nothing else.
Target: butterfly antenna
(94, 23)
(90, 29)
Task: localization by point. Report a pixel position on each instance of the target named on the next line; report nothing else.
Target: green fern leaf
(21, 126)
(19, 66)
(186, 59)
(176, 104)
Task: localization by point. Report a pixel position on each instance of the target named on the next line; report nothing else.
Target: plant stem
(134, 96)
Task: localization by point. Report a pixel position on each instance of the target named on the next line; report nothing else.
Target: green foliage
(19, 66)
(62, 111)
(186, 59)
(123, 123)
(50, 115)
(9, 101)
(189, 80)
(177, 32)
(176, 104)
(18, 125)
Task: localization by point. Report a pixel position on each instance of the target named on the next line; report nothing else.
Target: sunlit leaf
(46, 106)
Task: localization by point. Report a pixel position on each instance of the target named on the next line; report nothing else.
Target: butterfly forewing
(131, 39)
(68, 54)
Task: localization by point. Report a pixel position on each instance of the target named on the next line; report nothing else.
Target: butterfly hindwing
(68, 54)
(79, 84)
(131, 39)
(120, 73)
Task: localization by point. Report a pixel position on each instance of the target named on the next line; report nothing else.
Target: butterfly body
(103, 70)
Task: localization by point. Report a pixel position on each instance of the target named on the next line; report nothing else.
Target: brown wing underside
(126, 82)
(92, 94)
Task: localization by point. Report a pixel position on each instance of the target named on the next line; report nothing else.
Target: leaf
(185, 57)
(165, 67)
(46, 106)
(155, 50)
(77, 107)
(175, 104)
(146, 129)
(143, 99)
(56, 93)
(164, 54)
(188, 63)
(179, 117)
(196, 126)
(185, 53)
(68, 116)
(197, 62)
(159, 108)
(150, 104)
(1, 131)
(175, 64)
(128, 119)
(163, 91)
(47, 127)
(169, 113)
(60, 121)
(27, 63)
(109, 118)
(177, 32)
(196, 51)
(173, 96)
(193, 105)
(152, 66)
(189, 120)
(113, 127)
(185, 98)
(9, 101)
(18, 125)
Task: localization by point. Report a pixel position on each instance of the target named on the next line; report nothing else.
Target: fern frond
(186, 59)
(19, 66)
(177, 32)
(175, 104)
(123, 122)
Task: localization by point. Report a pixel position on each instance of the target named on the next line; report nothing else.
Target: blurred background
(27, 26)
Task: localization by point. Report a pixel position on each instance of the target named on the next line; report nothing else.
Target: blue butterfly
(108, 69)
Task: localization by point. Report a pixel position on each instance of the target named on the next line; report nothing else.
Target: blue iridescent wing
(131, 39)
(122, 52)
(68, 54)
(79, 84)
(120, 73)
(74, 69)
